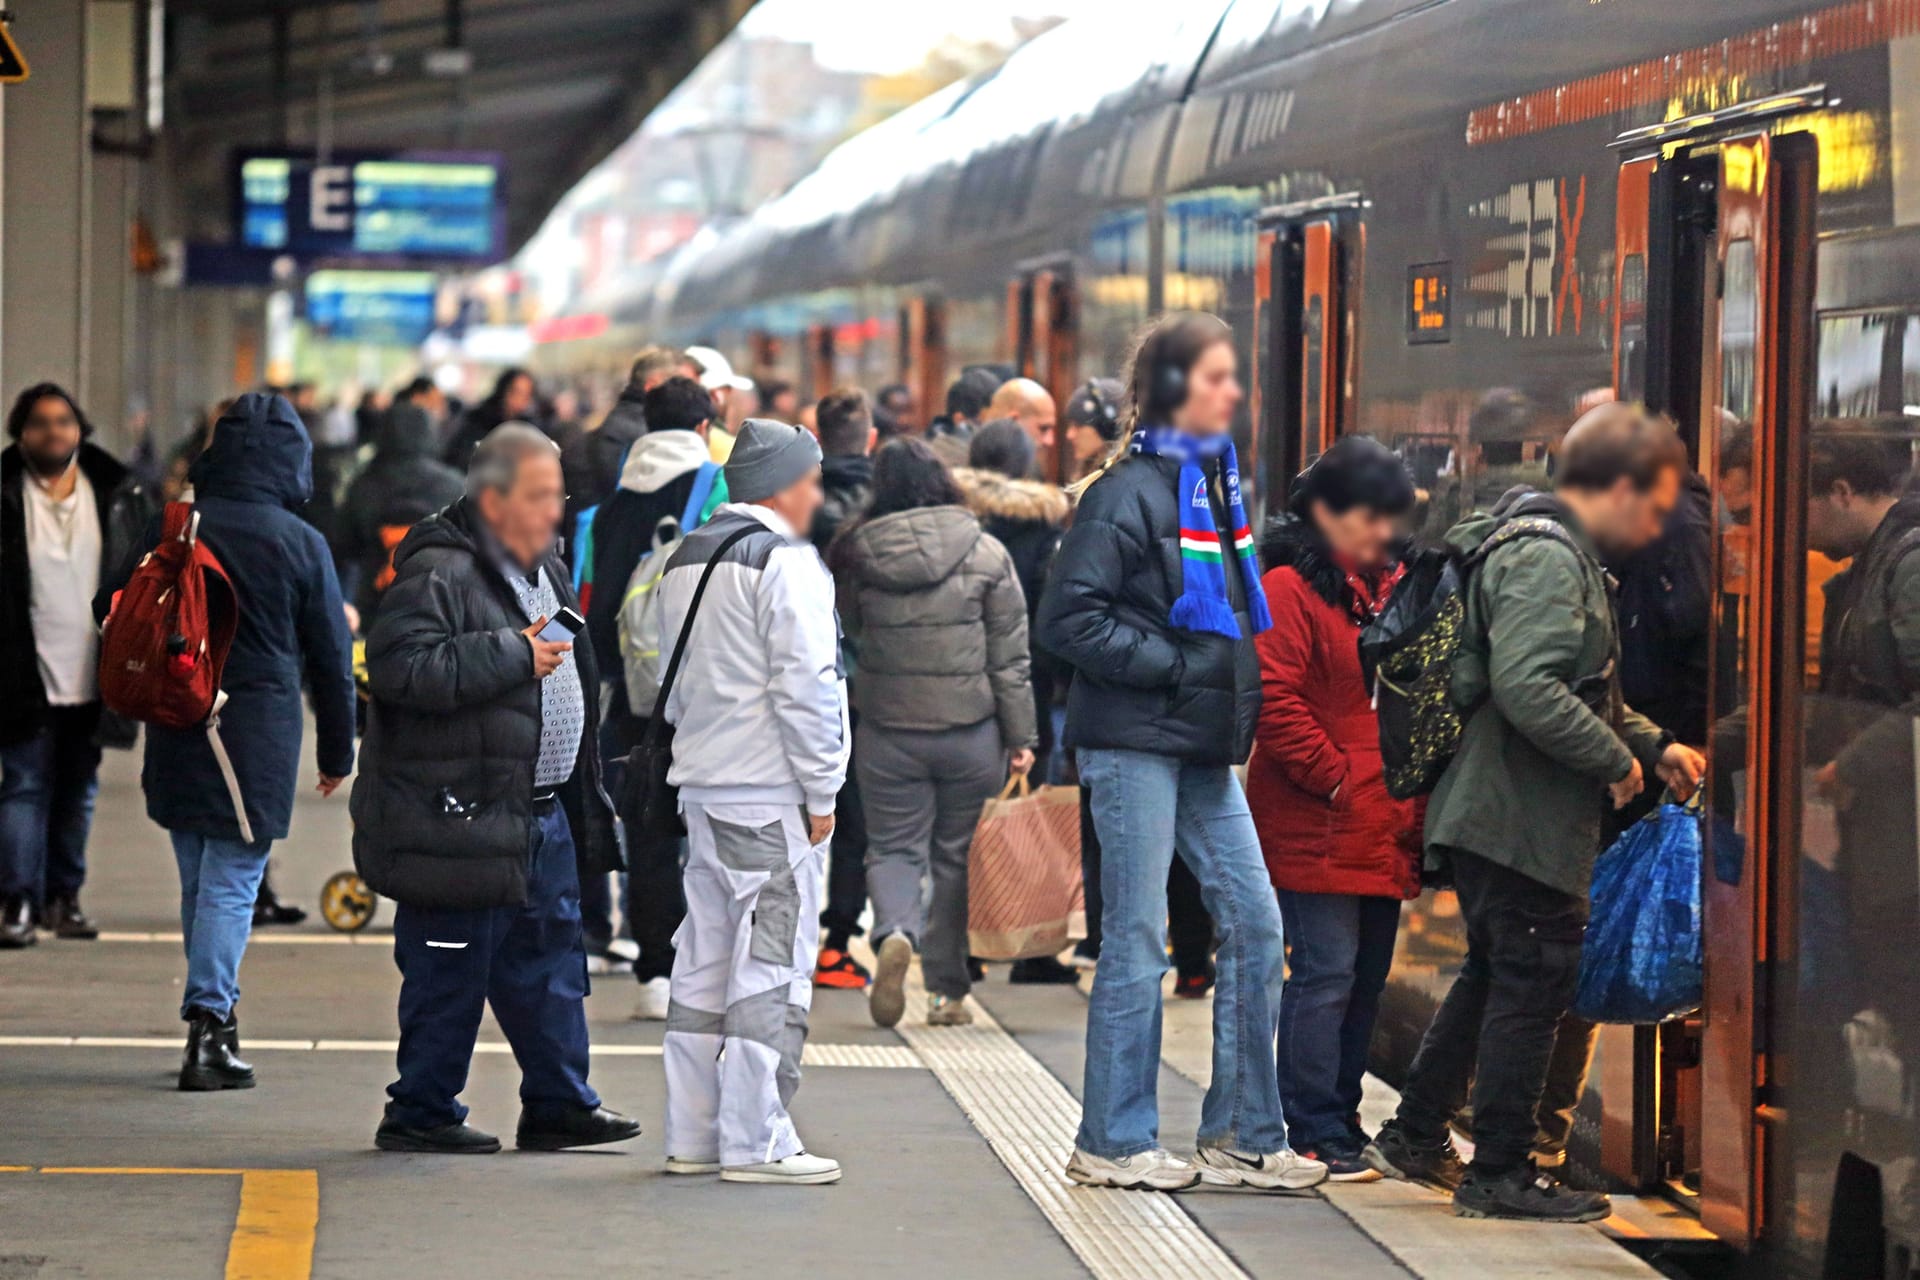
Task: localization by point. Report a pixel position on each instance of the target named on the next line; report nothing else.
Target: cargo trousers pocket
(776, 909)
(776, 919)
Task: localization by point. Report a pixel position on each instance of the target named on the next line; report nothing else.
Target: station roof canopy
(552, 85)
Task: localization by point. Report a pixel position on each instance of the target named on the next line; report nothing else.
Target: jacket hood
(449, 529)
(1290, 542)
(991, 494)
(1521, 500)
(846, 470)
(912, 550)
(260, 453)
(661, 457)
(407, 433)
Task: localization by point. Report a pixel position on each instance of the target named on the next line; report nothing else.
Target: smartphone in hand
(563, 626)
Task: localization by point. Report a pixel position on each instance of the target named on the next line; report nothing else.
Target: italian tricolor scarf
(1203, 604)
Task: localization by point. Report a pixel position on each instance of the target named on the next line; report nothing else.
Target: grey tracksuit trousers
(922, 792)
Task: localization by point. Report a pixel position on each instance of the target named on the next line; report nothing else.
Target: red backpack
(163, 647)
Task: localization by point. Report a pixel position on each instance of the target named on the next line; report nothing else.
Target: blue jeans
(219, 880)
(1145, 807)
(47, 785)
(528, 961)
(1340, 948)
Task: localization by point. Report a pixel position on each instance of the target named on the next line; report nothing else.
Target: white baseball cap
(715, 371)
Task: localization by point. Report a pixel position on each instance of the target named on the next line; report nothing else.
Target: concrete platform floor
(952, 1141)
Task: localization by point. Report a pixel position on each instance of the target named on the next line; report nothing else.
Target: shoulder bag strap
(686, 628)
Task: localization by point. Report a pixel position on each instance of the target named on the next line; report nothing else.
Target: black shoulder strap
(686, 628)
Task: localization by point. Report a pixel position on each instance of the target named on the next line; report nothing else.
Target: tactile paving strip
(1029, 1119)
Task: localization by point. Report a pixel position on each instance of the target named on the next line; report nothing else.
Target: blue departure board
(434, 206)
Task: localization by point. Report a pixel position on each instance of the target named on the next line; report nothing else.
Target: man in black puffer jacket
(479, 807)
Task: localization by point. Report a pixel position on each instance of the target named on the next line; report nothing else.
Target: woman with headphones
(1154, 602)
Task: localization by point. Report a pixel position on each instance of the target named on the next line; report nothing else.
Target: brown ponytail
(1175, 341)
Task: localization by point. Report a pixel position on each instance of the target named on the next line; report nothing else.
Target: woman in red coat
(1342, 853)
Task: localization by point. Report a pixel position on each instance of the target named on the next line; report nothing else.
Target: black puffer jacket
(444, 799)
(591, 460)
(404, 483)
(1139, 684)
(122, 507)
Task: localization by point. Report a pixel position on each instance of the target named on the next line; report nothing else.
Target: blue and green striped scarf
(1203, 603)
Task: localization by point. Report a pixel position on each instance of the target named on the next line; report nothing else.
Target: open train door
(1714, 326)
(923, 352)
(1306, 277)
(1043, 327)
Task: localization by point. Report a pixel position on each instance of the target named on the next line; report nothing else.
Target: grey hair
(496, 459)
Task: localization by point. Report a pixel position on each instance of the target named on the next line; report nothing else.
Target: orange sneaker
(838, 969)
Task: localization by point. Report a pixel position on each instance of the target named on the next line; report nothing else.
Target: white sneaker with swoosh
(1281, 1170)
(1155, 1170)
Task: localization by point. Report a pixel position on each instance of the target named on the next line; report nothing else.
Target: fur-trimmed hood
(1288, 540)
(989, 493)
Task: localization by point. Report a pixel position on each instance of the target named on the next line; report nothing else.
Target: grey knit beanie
(767, 457)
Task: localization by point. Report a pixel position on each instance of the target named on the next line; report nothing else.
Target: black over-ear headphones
(1169, 386)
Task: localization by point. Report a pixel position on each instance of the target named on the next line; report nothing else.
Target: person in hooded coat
(944, 699)
(591, 460)
(403, 484)
(1343, 854)
(247, 487)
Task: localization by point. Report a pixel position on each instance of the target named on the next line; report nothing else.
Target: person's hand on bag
(1021, 761)
(1829, 786)
(1628, 787)
(547, 654)
(819, 827)
(1681, 768)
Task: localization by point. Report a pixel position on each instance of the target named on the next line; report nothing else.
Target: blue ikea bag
(1642, 958)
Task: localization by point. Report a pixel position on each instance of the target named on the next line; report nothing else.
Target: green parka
(1537, 678)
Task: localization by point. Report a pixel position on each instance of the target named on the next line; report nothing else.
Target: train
(1452, 224)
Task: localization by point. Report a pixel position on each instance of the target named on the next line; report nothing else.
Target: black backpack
(1407, 654)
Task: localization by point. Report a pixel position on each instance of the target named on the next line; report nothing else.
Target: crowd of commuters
(853, 627)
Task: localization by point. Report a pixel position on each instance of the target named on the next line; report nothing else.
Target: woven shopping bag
(1024, 896)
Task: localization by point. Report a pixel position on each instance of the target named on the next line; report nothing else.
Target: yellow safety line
(273, 1234)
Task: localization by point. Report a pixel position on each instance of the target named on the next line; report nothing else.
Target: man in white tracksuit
(760, 748)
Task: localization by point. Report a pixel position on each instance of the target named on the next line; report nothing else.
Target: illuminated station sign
(427, 206)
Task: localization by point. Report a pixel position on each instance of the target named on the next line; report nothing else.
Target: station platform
(953, 1139)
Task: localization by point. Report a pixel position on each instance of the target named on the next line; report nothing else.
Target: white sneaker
(1281, 1170)
(887, 998)
(624, 949)
(654, 994)
(688, 1165)
(1155, 1170)
(944, 1011)
(799, 1169)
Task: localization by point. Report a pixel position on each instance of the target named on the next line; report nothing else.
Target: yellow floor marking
(273, 1234)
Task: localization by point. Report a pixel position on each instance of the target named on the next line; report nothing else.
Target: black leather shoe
(583, 1127)
(1042, 971)
(268, 909)
(213, 1058)
(16, 924)
(67, 920)
(456, 1139)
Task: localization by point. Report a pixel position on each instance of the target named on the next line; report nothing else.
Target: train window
(1869, 365)
(1313, 336)
(1739, 326)
(1633, 328)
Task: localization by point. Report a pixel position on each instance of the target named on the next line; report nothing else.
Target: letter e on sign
(13, 65)
(330, 198)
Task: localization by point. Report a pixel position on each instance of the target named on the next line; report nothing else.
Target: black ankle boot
(213, 1055)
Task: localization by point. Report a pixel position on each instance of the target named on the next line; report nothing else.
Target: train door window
(1305, 280)
(1044, 324)
(1713, 315)
(820, 358)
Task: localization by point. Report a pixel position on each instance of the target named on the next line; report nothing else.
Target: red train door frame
(1043, 325)
(1728, 251)
(923, 350)
(1307, 266)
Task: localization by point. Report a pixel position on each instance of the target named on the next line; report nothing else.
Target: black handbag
(650, 805)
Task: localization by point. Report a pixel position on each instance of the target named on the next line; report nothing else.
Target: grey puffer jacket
(941, 622)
